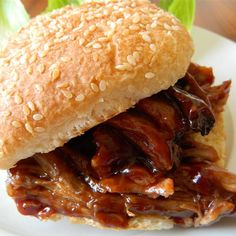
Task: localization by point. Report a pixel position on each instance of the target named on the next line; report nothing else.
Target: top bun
(76, 67)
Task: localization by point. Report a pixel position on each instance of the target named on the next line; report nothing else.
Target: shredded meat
(141, 162)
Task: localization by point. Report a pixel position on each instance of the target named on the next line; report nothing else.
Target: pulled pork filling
(141, 162)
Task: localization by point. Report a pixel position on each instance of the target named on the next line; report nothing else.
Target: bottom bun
(148, 222)
(216, 138)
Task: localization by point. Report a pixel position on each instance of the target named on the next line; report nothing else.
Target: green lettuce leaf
(55, 4)
(184, 10)
(12, 16)
(164, 4)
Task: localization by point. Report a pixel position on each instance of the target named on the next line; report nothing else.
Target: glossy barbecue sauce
(141, 162)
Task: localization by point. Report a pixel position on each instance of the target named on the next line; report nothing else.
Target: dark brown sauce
(141, 162)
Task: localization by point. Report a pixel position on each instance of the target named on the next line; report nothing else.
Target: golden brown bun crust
(108, 55)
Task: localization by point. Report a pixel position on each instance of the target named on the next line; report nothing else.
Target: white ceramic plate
(211, 50)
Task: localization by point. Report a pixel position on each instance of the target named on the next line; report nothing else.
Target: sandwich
(105, 120)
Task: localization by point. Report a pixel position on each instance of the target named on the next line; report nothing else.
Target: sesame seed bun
(76, 67)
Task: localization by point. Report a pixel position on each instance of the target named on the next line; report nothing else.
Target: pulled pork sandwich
(105, 120)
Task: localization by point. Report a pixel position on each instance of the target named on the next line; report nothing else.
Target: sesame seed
(55, 74)
(101, 100)
(113, 25)
(127, 15)
(92, 28)
(90, 18)
(131, 60)
(103, 39)
(94, 87)
(143, 27)
(46, 47)
(109, 34)
(29, 70)
(22, 60)
(136, 18)
(81, 25)
(176, 27)
(79, 98)
(76, 29)
(26, 110)
(174, 21)
(59, 34)
(29, 128)
(38, 87)
(102, 85)
(42, 54)
(65, 38)
(153, 47)
(67, 94)
(146, 38)
(6, 113)
(149, 75)
(169, 33)
(35, 46)
(125, 32)
(89, 44)
(167, 27)
(153, 25)
(27, 56)
(15, 75)
(119, 21)
(16, 124)
(86, 33)
(134, 27)
(152, 10)
(56, 41)
(69, 26)
(31, 106)
(41, 68)
(18, 99)
(72, 37)
(37, 117)
(81, 41)
(98, 15)
(65, 59)
(136, 56)
(39, 129)
(97, 45)
(38, 34)
(125, 66)
(33, 59)
(63, 85)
